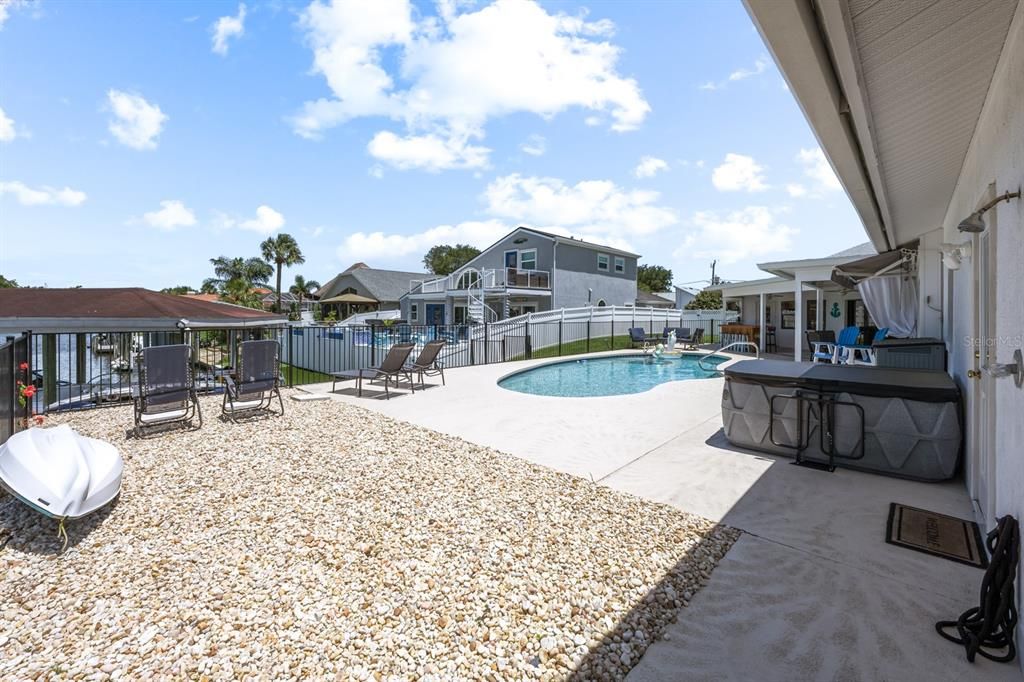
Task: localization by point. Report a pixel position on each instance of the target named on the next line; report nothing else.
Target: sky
(140, 139)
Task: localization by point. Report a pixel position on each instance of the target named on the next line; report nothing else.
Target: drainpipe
(554, 268)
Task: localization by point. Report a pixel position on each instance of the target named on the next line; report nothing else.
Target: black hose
(990, 625)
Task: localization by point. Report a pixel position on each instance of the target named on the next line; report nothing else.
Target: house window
(468, 280)
(812, 315)
(602, 261)
(349, 290)
(528, 259)
(414, 312)
(620, 264)
(601, 303)
(788, 310)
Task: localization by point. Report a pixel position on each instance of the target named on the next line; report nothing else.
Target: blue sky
(140, 139)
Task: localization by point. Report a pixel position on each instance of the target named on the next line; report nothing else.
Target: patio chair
(694, 340)
(256, 381)
(842, 353)
(682, 333)
(867, 351)
(637, 335)
(166, 391)
(427, 363)
(822, 345)
(393, 367)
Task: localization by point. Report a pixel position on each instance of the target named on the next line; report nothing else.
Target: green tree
(240, 292)
(181, 289)
(706, 300)
(8, 283)
(251, 270)
(444, 259)
(303, 288)
(653, 278)
(281, 251)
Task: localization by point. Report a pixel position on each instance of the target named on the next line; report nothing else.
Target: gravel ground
(338, 543)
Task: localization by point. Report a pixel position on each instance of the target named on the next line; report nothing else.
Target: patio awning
(895, 262)
(349, 298)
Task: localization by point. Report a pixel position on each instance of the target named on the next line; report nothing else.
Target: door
(511, 259)
(983, 415)
(434, 313)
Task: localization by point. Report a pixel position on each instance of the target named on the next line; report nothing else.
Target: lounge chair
(692, 340)
(867, 351)
(256, 381)
(822, 345)
(393, 367)
(166, 390)
(637, 335)
(426, 364)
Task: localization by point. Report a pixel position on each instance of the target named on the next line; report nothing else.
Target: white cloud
(738, 173)
(376, 171)
(591, 206)
(817, 167)
(172, 214)
(429, 152)
(377, 245)
(535, 145)
(7, 131)
(8, 6)
(760, 66)
(795, 189)
(267, 221)
(649, 166)
(738, 235)
(227, 27)
(42, 196)
(136, 123)
(459, 69)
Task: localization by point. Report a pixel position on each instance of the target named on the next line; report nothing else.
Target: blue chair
(637, 335)
(867, 352)
(845, 343)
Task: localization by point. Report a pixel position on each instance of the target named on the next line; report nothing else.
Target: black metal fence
(13, 355)
(91, 369)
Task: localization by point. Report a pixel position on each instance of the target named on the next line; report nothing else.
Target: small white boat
(59, 472)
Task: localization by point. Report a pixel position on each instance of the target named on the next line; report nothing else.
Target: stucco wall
(571, 288)
(996, 155)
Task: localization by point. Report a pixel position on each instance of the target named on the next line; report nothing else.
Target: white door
(983, 417)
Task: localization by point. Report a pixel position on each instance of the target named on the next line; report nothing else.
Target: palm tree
(303, 289)
(280, 251)
(251, 270)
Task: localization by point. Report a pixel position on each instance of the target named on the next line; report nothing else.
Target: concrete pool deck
(810, 591)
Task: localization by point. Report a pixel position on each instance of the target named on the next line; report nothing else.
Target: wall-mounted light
(975, 223)
(953, 254)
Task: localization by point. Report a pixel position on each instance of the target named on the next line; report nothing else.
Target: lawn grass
(598, 344)
(295, 376)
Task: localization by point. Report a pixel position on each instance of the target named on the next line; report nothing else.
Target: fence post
(529, 349)
(291, 357)
(373, 347)
(611, 332)
(588, 332)
(560, 333)
(487, 343)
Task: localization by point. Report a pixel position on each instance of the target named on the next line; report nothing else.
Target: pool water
(619, 375)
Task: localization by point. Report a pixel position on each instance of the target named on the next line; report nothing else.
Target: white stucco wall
(996, 155)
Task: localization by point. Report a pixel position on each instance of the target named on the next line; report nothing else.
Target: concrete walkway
(810, 592)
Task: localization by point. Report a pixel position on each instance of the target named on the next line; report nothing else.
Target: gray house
(361, 288)
(525, 271)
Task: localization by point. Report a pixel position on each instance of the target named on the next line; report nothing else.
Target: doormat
(945, 536)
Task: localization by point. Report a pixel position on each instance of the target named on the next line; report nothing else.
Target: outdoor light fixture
(953, 254)
(1014, 369)
(974, 222)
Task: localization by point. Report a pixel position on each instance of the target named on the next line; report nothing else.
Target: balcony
(527, 279)
(508, 278)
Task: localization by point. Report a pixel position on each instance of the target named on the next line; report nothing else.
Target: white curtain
(892, 302)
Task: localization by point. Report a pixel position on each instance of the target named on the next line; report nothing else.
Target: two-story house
(525, 271)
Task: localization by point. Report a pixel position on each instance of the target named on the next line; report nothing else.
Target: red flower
(28, 391)
(24, 366)
(39, 420)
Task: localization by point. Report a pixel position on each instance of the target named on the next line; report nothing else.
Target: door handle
(973, 373)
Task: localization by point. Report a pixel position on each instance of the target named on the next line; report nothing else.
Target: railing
(464, 279)
(78, 370)
(13, 353)
(734, 344)
(527, 279)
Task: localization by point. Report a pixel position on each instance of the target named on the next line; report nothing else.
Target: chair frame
(376, 373)
(234, 388)
(142, 402)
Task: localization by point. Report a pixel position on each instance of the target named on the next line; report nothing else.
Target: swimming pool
(616, 375)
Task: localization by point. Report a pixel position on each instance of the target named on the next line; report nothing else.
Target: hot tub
(901, 422)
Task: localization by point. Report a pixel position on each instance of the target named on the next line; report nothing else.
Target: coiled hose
(990, 625)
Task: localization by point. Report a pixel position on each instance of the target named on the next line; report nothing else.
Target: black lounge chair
(256, 382)
(427, 364)
(166, 390)
(393, 367)
(637, 335)
(693, 340)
